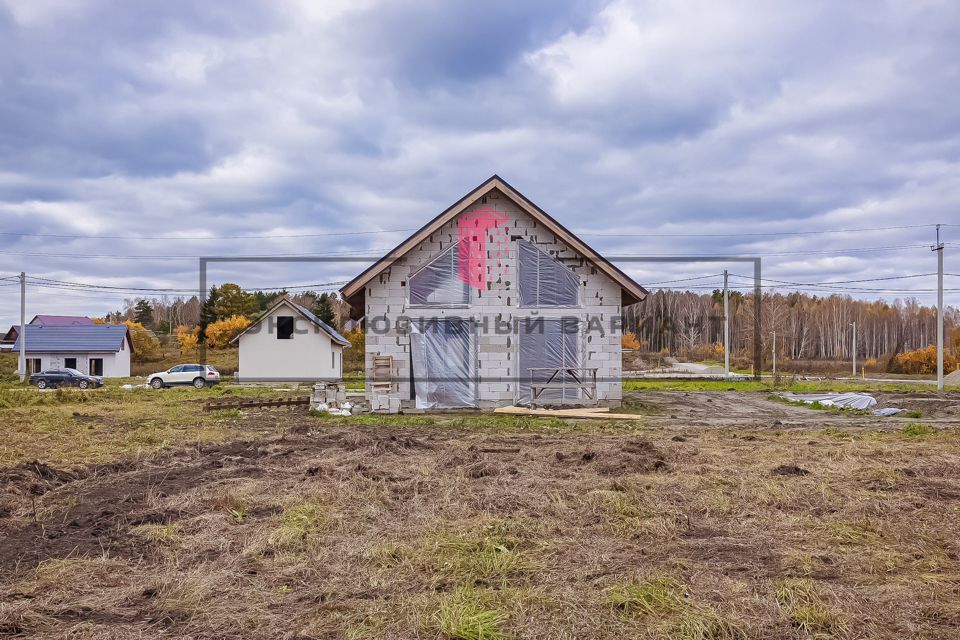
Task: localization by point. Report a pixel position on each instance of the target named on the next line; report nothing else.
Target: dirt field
(751, 410)
(719, 515)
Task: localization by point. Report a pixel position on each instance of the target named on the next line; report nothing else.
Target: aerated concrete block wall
(495, 354)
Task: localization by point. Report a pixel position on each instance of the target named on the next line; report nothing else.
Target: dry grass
(68, 426)
(468, 614)
(298, 527)
(801, 601)
(658, 596)
(453, 527)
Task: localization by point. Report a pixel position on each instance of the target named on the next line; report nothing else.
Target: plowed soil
(389, 531)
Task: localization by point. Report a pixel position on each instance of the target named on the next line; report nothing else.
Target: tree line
(807, 327)
(686, 323)
(165, 313)
(227, 310)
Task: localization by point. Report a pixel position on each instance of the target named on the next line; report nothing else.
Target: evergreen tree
(323, 308)
(208, 311)
(234, 301)
(266, 298)
(143, 312)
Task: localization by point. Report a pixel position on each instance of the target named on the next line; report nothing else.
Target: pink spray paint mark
(473, 229)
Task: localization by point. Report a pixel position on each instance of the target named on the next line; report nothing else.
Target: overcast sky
(622, 119)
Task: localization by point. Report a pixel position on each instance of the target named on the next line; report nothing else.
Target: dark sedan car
(65, 378)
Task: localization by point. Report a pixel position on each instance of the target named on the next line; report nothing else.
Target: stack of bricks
(332, 394)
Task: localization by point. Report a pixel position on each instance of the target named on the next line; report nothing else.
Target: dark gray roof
(97, 337)
(11, 335)
(333, 333)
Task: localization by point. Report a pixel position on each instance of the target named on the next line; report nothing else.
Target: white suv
(199, 375)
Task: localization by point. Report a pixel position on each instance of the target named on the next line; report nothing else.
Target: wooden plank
(578, 410)
(254, 403)
(382, 368)
(585, 412)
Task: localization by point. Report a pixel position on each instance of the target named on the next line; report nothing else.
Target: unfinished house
(490, 304)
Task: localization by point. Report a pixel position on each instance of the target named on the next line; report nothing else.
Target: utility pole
(23, 326)
(726, 326)
(774, 355)
(939, 249)
(854, 351)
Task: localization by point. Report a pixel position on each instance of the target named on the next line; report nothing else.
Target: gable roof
(61, 321)
(94, 337)
(630, 290)
(307, 315)
(11, 334)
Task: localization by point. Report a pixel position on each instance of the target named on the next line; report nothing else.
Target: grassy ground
(280, 524)
(226, 361)
(67, 427)
(785, 384)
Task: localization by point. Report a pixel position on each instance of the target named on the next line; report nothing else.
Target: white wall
(496, 355)
(120, 367)
(309, 355)
(115, 365)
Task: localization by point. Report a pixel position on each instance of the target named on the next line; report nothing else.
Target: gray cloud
(617, 117)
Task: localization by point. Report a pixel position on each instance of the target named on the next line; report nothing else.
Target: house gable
(498, 358)
(303, 314)
(468, 207)
(288, 343)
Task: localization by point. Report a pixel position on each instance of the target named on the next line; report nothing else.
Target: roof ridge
(634, 290)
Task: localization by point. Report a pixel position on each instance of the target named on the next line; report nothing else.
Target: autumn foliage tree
(188, 339)
(354, 354)
(146, 347)
(629, 341)
(220, 333)
(922, 361)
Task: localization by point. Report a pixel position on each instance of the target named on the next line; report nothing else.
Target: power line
(63, 286)
(754, 234)
(832, 286)
(186, 257)
(712, 275)
(901, 247)
(268, 236)
(375, 253)
(104, 286)
(211, 238)
(912, 275)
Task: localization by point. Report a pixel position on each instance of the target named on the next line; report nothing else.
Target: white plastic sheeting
(543, 280)
(439, 281)
(842, 400)
(889, 411)
(552, 343)
(442, 366)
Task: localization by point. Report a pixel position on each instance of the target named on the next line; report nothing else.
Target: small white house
(95, 349)
(288, 343)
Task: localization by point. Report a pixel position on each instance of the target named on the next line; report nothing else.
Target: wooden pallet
(255, 403)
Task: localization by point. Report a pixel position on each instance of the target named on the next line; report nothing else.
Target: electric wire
(766, 234)
(375, 254)
(270, 236)
(209, 238)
